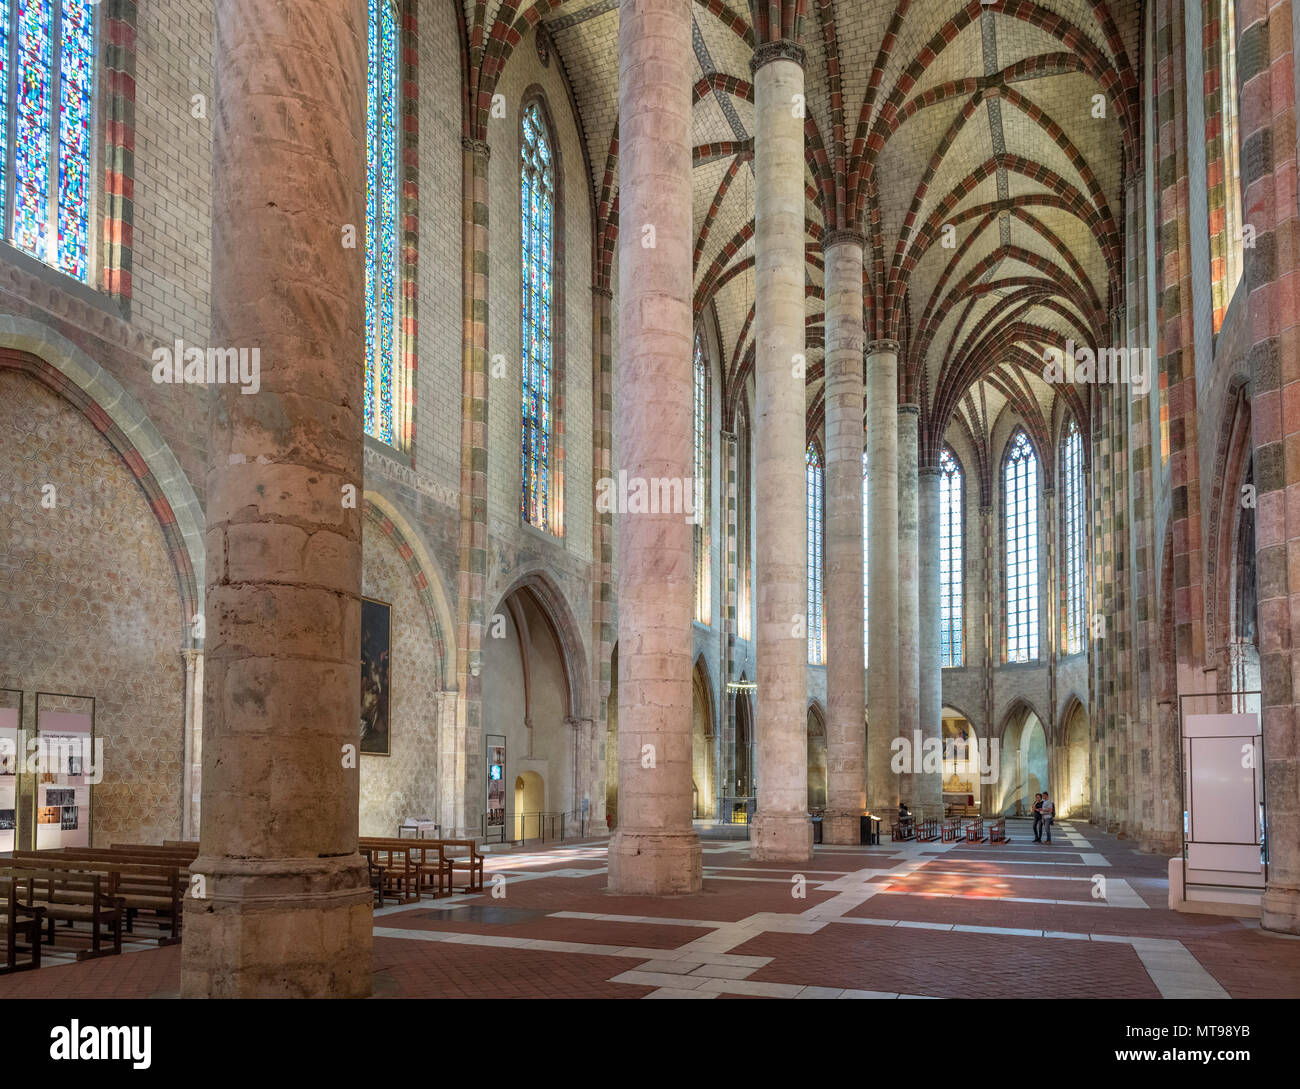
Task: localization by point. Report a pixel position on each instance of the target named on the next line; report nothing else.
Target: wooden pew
(927, 830)
(17, 921)
(975, 831)
(998, 831)
(143, 883)
(72, 896)
(399, 871)
(951, 830)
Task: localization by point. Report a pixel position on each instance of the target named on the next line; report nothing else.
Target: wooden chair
(73, 896)
(20, 928)
(463, 854)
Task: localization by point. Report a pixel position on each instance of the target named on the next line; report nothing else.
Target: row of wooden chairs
(407, 868)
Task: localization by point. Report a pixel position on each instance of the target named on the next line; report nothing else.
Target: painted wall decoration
(376, 676)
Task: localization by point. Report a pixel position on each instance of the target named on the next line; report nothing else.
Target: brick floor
(883, 926)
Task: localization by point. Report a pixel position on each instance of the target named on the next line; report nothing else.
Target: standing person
(1049, 815)
(1038, 818)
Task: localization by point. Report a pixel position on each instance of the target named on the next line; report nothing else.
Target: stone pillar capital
(914, 410)
(880, 347)
(192, 655)
(602, 292)
(929, 470)
(727, 436)
(1134, 178)
(842, 236)
(781, 49)
(478, 147)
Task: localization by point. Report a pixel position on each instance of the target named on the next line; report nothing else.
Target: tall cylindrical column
(781, 830)
(927, 789)
(655, 850)
(909, 603)
(882, 573)
(285, 904)
(846, 736)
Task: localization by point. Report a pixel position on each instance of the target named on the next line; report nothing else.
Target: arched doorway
(1024, 761)
(744, 787)
(702, 759)
(526, 707)
(961, 761)
(817, 787)
(530, 804)
(1077, 791)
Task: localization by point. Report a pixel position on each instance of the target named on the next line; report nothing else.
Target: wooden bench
(143, 883)
(399, 869)
(975, 831)
(72, 896)
(998, 831)
(950, 831)
(902, 828)
(20, 928)
(431, 866)
(927, 831)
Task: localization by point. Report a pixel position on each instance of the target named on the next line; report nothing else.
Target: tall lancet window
(47, 106)
(866, 581)
(1020, 503)
(1074, 556)
(700, 486)
(950, 560)
(382, 285)
(537, 214)
(816, 510)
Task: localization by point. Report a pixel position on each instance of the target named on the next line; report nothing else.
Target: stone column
(191, 772)
(655, 850)
(782, 830)
(882, 573)
(927, 790)
(287, 911)
(909, 603)
(846, 678)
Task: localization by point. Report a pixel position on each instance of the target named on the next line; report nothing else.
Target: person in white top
(1048, 811)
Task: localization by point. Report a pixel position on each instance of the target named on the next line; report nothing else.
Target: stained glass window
(816, 494)
(700, 489)
(382, 289)
(866, 582)
(537, 211)
(1073, 551)
(47, 92)
(1020, 498)
(950, 559)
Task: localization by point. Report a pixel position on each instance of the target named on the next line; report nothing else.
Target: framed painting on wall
(376, 676)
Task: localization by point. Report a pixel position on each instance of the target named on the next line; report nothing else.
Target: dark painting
(376, 676)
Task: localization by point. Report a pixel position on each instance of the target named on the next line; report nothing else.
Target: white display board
(9, 763)
(1223, 791)
(63, 786)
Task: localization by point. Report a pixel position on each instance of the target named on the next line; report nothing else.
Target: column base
(1152, 843)
(650, 863)
(843, 826)
(781, 837)
(278, 928)
(1280, 909)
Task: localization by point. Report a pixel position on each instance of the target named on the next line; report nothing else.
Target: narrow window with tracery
(700, 484)
(382, 285)
(537, 214)
(950, 559)
(816, 507)
(47, 97)
(1020, 499)
(1074, 556)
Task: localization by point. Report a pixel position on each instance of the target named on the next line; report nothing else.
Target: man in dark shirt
(1048, 810)
(1038, 818)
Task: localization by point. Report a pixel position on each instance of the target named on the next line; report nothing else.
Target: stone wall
(89, 605)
